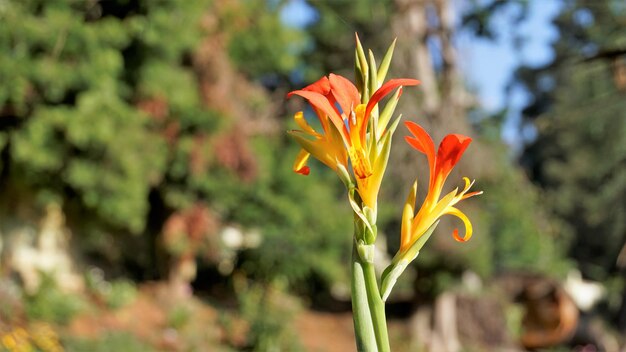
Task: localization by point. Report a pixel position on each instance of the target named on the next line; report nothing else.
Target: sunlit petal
(344, 92)
(299, 166)
(303, 124)
(471, 194)
(450, 151)
(321, 86)
(407, 216)
(422, 142)
(468, 225)
(319, 148)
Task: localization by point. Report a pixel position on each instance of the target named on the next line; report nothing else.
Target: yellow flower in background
(38, 337)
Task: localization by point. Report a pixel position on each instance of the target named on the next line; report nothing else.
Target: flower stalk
(370, 325)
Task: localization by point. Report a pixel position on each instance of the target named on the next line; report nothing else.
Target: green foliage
(522, 237)
(116, 294)
(78, 131)
(303, 223)
(76, 72)
(259, 43)
(305, 229)
(121, 293)
(70, 145)
(51, 304)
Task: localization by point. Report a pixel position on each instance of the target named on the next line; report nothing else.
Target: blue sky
(298, 13)
(488, 65)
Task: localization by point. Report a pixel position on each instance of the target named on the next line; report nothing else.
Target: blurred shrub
(109, 342)
(115, 294)
(522, 234)
(11, 308)
(122, 292)
(268, 311)
(74, 109)
(259, 43)
(179, 316)
(109, 112)
(50, 304)
(305, 228)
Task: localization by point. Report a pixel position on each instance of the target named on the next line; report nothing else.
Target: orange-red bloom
(440, 164)
(345, 116)
(336, 99)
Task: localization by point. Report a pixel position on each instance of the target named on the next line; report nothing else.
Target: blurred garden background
(148, 202)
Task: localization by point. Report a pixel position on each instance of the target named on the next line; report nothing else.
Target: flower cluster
(354, 136)
(354, 140)
(344, 117)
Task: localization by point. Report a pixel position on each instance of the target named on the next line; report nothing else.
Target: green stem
(368, 308)
(363, 328)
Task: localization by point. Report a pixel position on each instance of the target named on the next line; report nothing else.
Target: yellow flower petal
(304, 125)
(407, 217)
(468, 225)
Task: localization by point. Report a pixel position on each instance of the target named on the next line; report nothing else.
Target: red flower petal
(345, 93)
(386, 89)
(450, 151)
(304, 170)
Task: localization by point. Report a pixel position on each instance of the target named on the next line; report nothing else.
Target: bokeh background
(147, 201)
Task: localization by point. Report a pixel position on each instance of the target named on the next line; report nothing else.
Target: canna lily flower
(440, 164)
(336, 100)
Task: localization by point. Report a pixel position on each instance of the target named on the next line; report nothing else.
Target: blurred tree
(577, 108)
(513, 232)
(138, 114)
(274, 53)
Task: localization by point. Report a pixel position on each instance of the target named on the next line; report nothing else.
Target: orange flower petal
(471, 194)
(322, 86)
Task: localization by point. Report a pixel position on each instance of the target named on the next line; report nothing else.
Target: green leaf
(384, 65)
